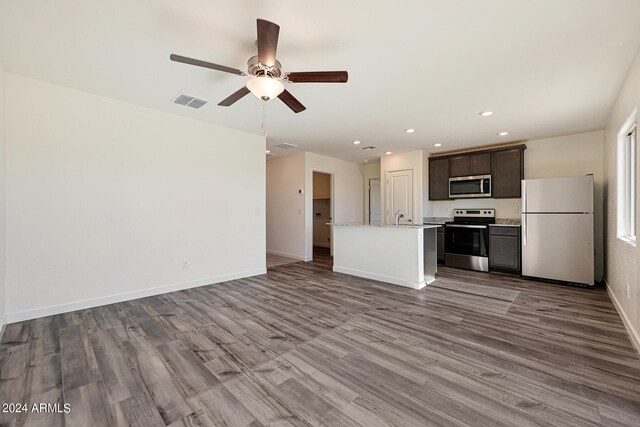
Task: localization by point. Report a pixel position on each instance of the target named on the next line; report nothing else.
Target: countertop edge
(406, 227)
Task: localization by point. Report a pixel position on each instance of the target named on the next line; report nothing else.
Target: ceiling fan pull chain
(264, 118)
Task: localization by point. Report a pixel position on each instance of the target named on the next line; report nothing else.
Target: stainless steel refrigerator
(557, 229)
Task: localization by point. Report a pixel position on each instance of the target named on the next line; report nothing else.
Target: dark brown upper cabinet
(507, 171)
(480, 164)
(439, 178)
(459, 166)
(470, 164)
(505, 165)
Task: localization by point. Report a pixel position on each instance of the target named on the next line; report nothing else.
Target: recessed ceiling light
(268, 151)
(356, 142)
(410, 130)
(366, 161)
(437, 145)
(486, 113)
(503, 133)
(387, 153)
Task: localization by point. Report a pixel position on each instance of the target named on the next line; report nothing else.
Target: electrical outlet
(185, 264)
(628, 290)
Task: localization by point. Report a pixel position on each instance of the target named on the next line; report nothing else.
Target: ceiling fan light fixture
(265, 88)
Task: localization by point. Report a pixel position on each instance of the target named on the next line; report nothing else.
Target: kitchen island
(403, 255)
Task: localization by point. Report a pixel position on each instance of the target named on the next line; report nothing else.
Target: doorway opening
(322, 212)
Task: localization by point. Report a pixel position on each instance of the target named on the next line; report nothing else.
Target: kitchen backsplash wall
(505, 208)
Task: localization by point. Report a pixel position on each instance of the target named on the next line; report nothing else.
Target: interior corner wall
(413, 160)
(286, 206)
(108, 201)
(347, 198)
(622, 269)
(3, 198)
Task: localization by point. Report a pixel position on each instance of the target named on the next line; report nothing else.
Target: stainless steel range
(466, 242)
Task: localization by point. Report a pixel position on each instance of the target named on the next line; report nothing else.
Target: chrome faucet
(397, 216)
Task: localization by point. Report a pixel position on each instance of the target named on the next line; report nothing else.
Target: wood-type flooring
(303, 345)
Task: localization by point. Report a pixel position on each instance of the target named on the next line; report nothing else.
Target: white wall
(3, 199)
(569, 155)
(285, 206)
(623, 260)
(413, 160)
(347, 192)
(290, 214)
(105, 200)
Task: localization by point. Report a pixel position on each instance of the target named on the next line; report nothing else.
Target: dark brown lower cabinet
(504, 249)
(440, 245)
(439, 241)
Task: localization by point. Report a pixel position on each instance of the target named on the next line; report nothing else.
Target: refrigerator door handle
(524, 213)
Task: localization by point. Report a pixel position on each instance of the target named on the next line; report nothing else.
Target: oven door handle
(464, 226)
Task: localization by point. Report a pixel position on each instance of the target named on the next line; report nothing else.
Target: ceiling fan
(266, 71)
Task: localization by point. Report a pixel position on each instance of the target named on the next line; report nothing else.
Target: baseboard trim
(285, 254)
(379, 277)
(35, 313)
(633, 335)
(4, 325)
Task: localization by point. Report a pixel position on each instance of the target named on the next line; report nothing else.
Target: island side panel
(430, 254)
(387, 254)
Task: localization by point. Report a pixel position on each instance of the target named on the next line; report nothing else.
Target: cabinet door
(504, 253)
(439, 179)
(459, 166)
(480, 164)
(440, 245)
(506, 174)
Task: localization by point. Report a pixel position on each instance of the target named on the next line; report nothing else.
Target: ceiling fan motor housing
(255, 68)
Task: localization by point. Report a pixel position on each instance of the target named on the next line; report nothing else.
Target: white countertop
(407, 226)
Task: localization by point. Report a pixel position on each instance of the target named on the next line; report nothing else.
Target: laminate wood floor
(276, 260)
(303, 345)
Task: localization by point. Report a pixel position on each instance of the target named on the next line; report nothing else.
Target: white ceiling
(546, 67)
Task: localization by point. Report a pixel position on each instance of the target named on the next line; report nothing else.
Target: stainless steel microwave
(470, 187)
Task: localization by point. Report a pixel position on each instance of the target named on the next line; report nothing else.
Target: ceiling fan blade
(318, 77)
(234, 97)
(291, 101)
(199, 63)
(267, 42)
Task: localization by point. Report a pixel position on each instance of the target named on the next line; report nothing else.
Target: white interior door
(400, 196)
(375, 212)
